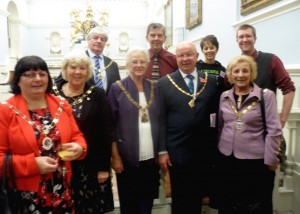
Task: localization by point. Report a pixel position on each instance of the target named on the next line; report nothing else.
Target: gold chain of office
(99, 70)
(144, 118)
(47, 142)
(239, 124)
(192, 102)
(77, 100)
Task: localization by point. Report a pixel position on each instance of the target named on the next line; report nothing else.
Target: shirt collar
(152, 52)
(194, 73)
(92, 54)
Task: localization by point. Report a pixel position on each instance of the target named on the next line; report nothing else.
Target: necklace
(76, 100)
(144, 118)
(99, 70)
(239, 124)
(192, 102)
(47, 141)
(239, 101)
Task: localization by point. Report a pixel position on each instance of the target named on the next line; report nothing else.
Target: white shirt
(195, 74)
(145, 134)
(103, 72)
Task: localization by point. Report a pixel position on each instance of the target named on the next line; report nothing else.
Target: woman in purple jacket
(248, 153)
(134, 103)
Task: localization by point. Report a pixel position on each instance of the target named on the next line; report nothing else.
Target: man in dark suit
(108, 69)
(187, 129)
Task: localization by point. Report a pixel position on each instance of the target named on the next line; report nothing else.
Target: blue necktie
(191, 83)
(98, 81)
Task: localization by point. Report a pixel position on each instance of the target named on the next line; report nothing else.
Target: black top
(93, 116)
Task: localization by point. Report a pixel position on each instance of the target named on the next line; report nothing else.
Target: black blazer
(185, 132)
(96, 125)
(112, 73)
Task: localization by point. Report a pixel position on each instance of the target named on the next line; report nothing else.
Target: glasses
(247, 36)
(32, 75)
(182, 56)
(142, 63)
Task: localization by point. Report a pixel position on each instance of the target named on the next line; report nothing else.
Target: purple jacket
(125, 116)
(249, 142)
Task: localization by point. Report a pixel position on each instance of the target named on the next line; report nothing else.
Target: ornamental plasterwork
(82, 23)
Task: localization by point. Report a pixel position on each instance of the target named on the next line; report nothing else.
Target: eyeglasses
(182, 56)
(142, 63)
(32, 75)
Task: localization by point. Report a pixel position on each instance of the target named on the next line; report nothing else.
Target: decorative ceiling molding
(270, 12)
(90, 1)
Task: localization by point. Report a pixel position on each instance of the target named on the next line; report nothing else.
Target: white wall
(277, 28)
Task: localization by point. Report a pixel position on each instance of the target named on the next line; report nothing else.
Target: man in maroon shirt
(156, 36)
(271, 72)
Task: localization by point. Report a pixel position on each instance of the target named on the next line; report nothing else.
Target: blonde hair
(76, 57)
(240, 59)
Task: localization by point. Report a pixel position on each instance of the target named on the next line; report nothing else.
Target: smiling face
(210, 51)
(186, 57)
(137, 64)
(97, 42)
(241, 76)
(77, 74)
(156, 38)
(246, 41)
(33, 83)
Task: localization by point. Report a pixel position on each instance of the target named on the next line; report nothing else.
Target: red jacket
(18, 136)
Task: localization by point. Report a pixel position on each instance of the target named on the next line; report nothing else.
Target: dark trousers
(188, 185)
(247, 186)
(137, 187)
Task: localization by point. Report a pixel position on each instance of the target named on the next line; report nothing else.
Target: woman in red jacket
(33, 125)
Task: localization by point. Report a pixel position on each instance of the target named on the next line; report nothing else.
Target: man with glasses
(271, 73)
(188, 106)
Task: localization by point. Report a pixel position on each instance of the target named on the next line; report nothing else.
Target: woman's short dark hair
(28, 63)
(210, 39)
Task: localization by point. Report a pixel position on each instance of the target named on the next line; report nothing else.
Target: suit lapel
(178, 79)
(200, 79)
(108, 73)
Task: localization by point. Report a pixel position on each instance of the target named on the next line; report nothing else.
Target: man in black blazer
(109, 70)
(187, 129)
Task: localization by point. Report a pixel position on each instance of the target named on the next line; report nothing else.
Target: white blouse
(145, 136)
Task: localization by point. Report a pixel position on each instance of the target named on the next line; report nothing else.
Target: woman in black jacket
(91, 179)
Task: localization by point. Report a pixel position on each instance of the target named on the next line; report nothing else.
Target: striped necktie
(190, 83)
(155, 69)
(98, 77)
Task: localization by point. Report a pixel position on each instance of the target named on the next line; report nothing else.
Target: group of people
(192, 118)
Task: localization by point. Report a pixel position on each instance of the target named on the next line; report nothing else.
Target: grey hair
(97, 30)
(137, 49)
